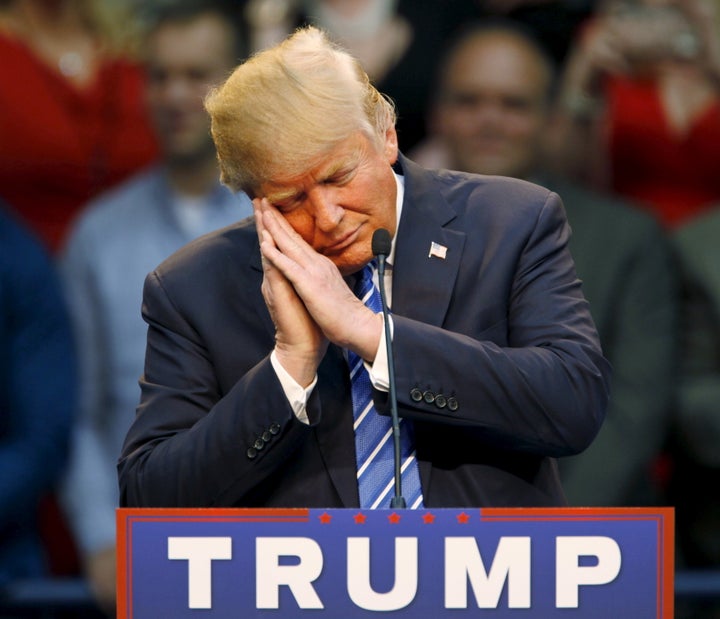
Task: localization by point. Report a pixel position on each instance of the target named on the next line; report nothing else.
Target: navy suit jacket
(497, 364)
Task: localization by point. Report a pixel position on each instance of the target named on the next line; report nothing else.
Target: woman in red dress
(641, 95)
(72, 116)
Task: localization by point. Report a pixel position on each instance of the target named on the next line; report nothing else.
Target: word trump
(296, 563)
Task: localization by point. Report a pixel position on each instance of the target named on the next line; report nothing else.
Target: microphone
(381, 246)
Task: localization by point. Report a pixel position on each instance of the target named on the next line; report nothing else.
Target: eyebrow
(343, 166)
(280, 195)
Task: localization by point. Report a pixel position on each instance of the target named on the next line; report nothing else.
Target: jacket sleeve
(193, 443)
(535, 380)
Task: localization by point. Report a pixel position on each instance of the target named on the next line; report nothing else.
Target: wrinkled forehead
(304, 163)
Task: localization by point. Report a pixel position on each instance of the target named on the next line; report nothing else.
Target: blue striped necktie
(373, 432)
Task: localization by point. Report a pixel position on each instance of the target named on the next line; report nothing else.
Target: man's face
(337, 205)
(184, 60)
(494, 107)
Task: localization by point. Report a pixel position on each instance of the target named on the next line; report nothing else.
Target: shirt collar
(400, 196)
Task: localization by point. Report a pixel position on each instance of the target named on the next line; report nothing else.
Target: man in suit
(493, 111)
(697, 420)
(246, 396)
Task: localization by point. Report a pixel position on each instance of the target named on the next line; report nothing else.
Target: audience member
(493, 107)
(122, 236)
(697, 459)
(37, 394)
(71, 116)
(553, 22)
(641, 92)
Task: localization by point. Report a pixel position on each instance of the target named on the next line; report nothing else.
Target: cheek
(383, 216)
(302, 224)
(464, 123)
(522, 128)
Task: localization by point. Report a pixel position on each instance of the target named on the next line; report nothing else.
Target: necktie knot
(365, 288)
(364, 281)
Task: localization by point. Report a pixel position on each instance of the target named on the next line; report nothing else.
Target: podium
(549, 563)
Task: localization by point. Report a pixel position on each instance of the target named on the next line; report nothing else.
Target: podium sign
(428, 563)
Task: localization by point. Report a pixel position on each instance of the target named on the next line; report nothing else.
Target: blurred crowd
(107, 167)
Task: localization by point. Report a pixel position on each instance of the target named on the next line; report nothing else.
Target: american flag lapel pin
(437, 251)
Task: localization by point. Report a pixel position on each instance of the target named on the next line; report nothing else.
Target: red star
(463, 518)
(428, 518)
(394, 518)
(360, 518)
(325, 518)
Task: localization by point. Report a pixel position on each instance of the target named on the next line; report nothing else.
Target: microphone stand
(398, 501)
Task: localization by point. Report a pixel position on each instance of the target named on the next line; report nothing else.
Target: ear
(391, 145)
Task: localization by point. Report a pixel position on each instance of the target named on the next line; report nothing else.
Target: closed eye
(340, 178)
(288, 204)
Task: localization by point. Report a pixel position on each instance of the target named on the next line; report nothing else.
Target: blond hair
(282, 110)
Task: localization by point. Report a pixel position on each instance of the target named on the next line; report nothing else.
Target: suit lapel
(423, 282)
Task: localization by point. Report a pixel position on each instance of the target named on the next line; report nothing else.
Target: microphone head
(381, 242)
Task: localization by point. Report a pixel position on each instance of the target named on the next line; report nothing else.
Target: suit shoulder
(704, 228)
(696, 242)
(494, 200)
(492, 187)
(584, 204)
(212, 254)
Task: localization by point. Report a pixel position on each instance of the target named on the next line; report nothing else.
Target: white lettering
(569, 574)
(270, 575)
(200, 552)
(358, 575)
(511, 563)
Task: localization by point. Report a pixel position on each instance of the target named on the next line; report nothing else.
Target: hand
(624, 40)
(702, 15)
(602, 49)
(654, 33)
(100, 569)
(317, 284)
(299, 342)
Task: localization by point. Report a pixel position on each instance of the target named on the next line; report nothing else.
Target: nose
(177, 89)
(325, 208)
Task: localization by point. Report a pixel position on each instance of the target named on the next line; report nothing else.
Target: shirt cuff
(379, 371)
(296, 394)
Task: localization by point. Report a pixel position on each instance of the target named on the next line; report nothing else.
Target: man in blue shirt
(120, 238)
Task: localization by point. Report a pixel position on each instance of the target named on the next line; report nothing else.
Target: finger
(286, 238)
(264, 238)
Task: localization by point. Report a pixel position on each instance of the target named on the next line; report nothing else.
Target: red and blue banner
(429, 563)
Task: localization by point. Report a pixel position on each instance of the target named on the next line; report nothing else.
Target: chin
(348, 265)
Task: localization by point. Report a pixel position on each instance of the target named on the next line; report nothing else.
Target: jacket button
(251, 453)
(266, 436)
(416, 395)
(440, 401)
(452, 404)
(429, 397)
(274, 429)
(259, 444)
